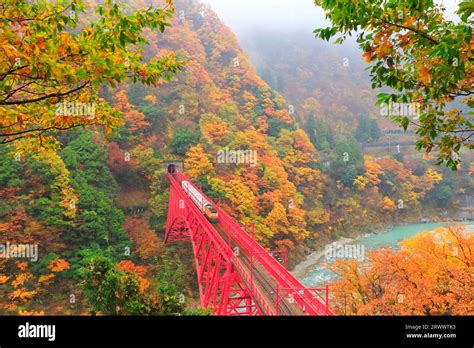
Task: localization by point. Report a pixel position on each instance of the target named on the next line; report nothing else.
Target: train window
(211, 209)
(171, 169)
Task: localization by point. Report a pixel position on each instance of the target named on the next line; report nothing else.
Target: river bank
(312, 272)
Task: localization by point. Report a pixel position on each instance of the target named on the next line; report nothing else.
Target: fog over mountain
(278, 37)
(244, 15)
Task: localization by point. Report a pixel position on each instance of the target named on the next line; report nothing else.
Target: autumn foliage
(145, 241)
(431, 274)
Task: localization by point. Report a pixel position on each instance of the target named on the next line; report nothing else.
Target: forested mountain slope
(97, 208)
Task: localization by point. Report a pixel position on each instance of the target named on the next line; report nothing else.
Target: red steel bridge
(236, 275)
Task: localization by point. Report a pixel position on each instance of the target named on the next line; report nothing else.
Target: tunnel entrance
(172, 167)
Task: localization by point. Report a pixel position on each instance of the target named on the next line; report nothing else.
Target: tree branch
(48, 96)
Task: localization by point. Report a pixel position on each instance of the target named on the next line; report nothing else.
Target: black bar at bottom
(195, 331)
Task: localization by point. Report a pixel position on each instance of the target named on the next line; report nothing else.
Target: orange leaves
(372, 174)
(45, 278)
(58, 265)
(41, 43)
(423, 74)
(213, 127)
(145, 240)
(21, 279)
(129, 267)
(283, 116)
(390, 165)
(430, 275)
(30, 313)
(22, 295)
(136, 120)
(373, 171)
(388, 204)
(21, 265)
(26, 286)
(302, 141)
(367, 56)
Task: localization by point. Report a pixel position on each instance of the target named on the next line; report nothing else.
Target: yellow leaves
(361, 182)
(3, 279)
(21, 279)
(58, 265)
(197, 163)
(61, 182)
(433, 175)
(277, 220)
(318, 215)
(271, 177)
(384, 49)
(30, 313)
(218, 184)
(242, 198)
(45, 278)
(150, 98)
(372, 173)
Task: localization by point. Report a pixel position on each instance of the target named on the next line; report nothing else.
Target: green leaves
(424, 58)
(45, 60)
(465, 10)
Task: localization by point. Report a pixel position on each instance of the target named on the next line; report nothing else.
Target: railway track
(255, 270)
(265, 285)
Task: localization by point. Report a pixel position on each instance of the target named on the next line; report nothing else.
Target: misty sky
(242, 15)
